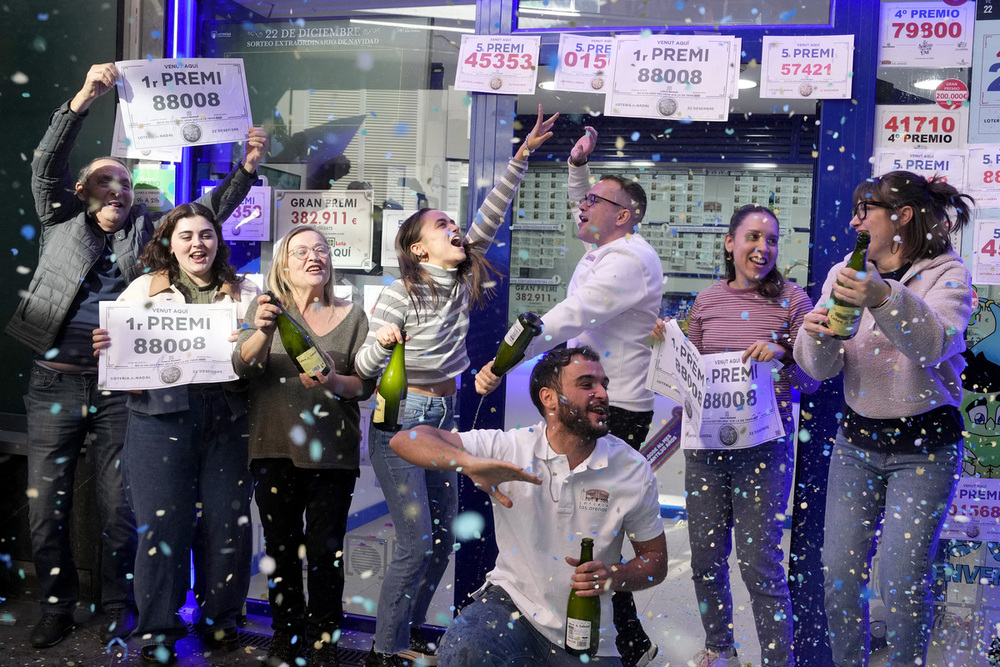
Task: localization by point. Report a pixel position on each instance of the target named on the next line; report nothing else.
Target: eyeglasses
(300, 252)
(860, 210)
(591, 200)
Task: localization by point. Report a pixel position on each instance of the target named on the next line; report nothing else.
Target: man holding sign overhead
(92, 236)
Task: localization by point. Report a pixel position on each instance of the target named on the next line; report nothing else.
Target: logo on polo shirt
(595, 499)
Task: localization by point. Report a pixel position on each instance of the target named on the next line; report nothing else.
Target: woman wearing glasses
(898, 450)
(305, 433)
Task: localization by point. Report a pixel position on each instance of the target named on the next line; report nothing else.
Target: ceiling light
(746, 84)
(927, 84)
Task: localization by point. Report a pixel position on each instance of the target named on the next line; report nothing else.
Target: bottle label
(312, 361)
(844, 320)
(578, 634)
(379, 415)
(514, 332)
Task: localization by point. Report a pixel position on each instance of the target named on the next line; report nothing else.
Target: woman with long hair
(442, 275)
(898, 450)
(744, 489)
(184, 462)
(305, 434)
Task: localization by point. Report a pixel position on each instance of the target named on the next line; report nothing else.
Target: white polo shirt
(611, 494)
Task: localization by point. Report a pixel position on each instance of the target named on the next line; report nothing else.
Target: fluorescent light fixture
(567, 13)
(927, 84)
(418, 26)
(746, 84)
(633, 163)
(547, 85)
(457, 12)
(762, 165)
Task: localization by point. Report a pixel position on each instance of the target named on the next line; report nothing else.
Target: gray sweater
(71, 242)
(312, 427)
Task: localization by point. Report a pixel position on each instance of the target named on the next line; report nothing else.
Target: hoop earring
(894, 248)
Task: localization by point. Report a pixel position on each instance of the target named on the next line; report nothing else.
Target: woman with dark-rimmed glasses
(898, 449)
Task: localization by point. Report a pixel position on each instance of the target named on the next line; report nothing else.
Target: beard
(576, 420)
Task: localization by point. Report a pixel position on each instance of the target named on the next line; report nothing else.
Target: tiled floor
(669, 612)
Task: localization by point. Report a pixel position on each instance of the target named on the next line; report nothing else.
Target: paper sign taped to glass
(728, 403)
(159, 345)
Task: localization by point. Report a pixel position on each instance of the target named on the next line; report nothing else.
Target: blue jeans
(916, 489)
(485, 633)
(62, 409)
(422, 504)
(746, 491)
(188, 481)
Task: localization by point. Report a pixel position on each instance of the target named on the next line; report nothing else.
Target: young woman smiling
(184, 462)
(442, 275)
(746, 489)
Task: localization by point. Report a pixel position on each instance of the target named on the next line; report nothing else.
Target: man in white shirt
(611, 305)
(580, 482)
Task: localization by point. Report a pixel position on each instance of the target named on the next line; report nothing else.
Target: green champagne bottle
(299, 346)
(390, 397)
(511, 351)
(844, 317)
(583, 615)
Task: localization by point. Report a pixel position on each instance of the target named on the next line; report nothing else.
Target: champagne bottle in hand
(297, 343)
(390, 397)
(844, 317)
(583, 614)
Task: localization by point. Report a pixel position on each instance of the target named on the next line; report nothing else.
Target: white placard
(584, 63)
(344, 219)
(122, 147)
(392, 220)
(659, 106)
(158, 345)
(924, 127)
(728, 404)
(819, 67)
(676, 66)
(502, 64)
(183, 102)
(740, 409)
(974, 513)
(984, 115)
(925, 34)
(251, 220)
(947, 164)
(982, 179)
(676, 371)
(986, 253)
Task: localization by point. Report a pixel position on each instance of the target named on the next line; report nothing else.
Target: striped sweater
(724, 319)
(436, 349)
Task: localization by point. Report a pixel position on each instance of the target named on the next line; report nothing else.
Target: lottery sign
(676, 66)
(183, 102)
(923, 34)
(947, 165)
(584, 63)
(920, 128)
(810, 67)
(983, 176)
(165, 344)
(502, 64)
(344, 219)
(984, 120)
(986, 254)
(974, 513)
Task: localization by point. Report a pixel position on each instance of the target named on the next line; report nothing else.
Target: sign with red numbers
(984, 113)
(974, 513)
(818, 67)
(584, 63)
(920, 127)
(925, 34)
(343, 218)
(502, 64)
(983, 176)
(986, 253)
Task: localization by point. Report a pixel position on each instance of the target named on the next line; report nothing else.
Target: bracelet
(578, 164)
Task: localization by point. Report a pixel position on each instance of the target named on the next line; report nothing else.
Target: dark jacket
(71, 242)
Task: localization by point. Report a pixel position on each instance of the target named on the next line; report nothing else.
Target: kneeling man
(580, 482)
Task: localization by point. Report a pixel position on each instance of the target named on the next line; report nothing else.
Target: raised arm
(435, 449)
(494, 208)
(224, 199)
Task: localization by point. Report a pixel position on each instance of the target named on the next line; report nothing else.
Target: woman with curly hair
(185, 456)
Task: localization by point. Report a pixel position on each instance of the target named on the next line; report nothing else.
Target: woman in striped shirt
(442, 275)
(755, 310)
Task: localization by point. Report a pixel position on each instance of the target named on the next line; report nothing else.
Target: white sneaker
(709, 658)
(648, 656)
